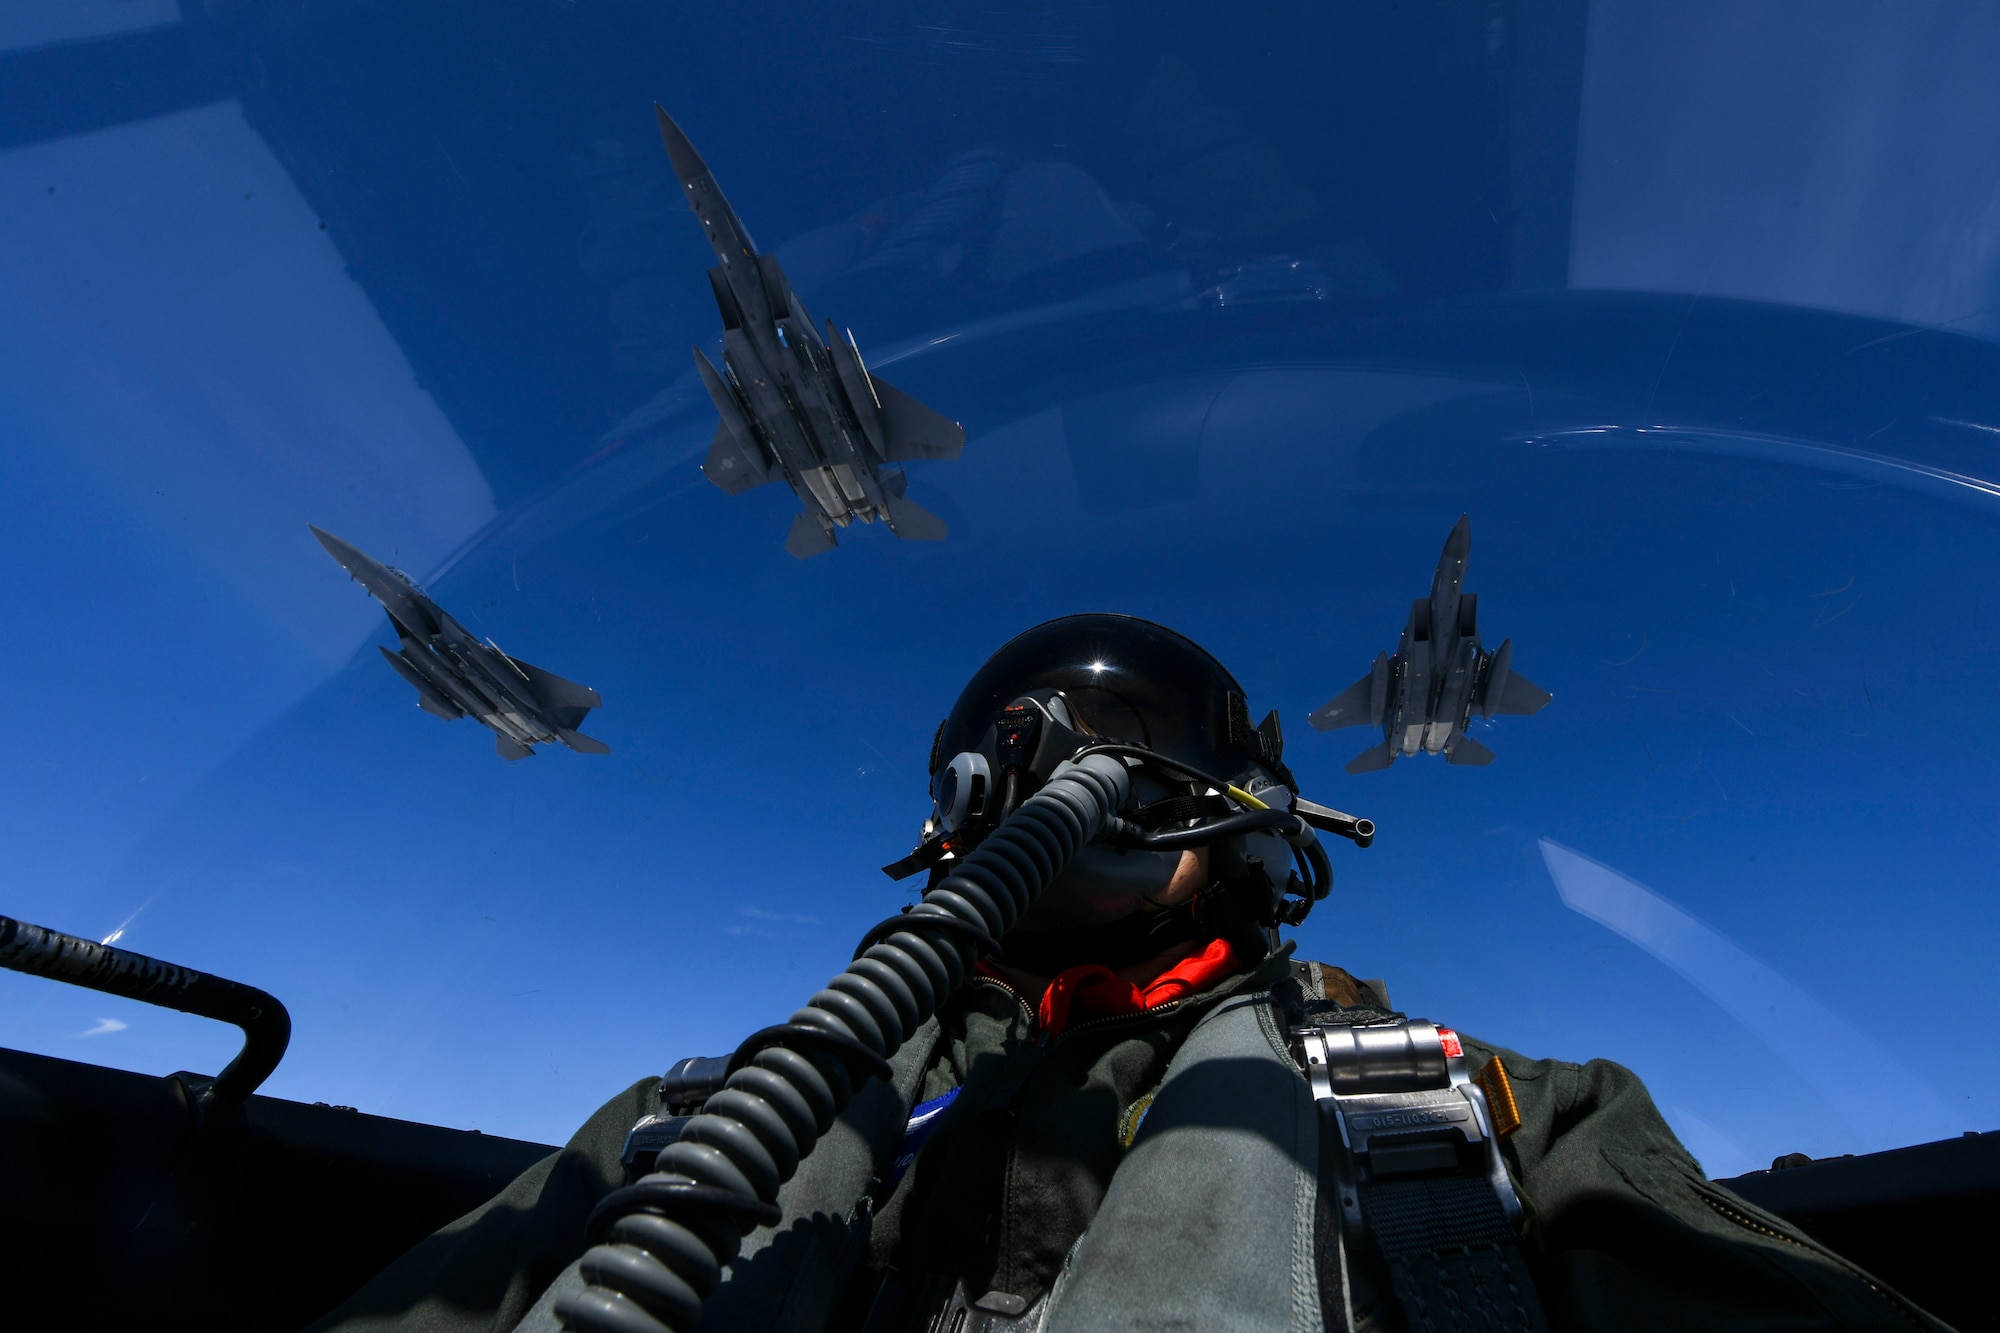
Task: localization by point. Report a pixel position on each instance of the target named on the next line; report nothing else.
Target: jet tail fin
(509, 748)
(911, 430)
(1466, 750)
(581, 743)
(911, 521)
(1372, 761)
(808, 537)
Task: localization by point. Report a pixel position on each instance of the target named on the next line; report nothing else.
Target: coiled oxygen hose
(665, 1240)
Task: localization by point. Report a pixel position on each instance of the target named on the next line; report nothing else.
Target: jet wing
(566, 701)
(911, 431)
(1521, 696)
(730, 466)
(1363, 701)
(1505, 692)
(1349, 708)
(736, 461)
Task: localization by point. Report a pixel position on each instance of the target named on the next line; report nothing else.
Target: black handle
(267, 1028)
(1359, 831)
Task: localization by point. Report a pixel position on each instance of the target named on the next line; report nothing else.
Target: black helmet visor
(1127, 679)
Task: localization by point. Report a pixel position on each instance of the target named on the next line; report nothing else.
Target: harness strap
(1453, 1261)
(1411, 1159)
(1322, 981)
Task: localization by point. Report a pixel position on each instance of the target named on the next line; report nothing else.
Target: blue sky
(1737, 542)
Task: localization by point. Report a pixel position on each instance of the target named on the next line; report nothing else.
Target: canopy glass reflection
(1689, 309)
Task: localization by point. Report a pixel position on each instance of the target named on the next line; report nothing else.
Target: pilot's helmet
(1117, 679)
(1127, 680)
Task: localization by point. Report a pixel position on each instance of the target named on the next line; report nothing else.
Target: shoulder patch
(1135, 1116)
(923, 1119)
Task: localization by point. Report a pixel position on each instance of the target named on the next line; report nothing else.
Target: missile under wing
(456, 674)
(796, 406)
(1423, 697)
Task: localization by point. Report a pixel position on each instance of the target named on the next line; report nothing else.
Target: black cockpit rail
(267, 1028)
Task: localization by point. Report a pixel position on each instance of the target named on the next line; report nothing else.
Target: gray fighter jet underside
(457, 675)
(795, 405)
(1423, 697)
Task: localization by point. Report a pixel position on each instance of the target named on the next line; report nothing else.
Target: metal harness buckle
(1406, 1105)
(1408, 1145)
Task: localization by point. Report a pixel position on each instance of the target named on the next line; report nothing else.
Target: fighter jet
(1424, 695)
(456, 674)
(796, 405)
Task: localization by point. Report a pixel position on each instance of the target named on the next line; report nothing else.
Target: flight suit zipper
(1092, 1024)
(1731, 1213)
(1089, 1024)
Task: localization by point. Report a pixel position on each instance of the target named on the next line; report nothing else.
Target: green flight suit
(1626, 1232)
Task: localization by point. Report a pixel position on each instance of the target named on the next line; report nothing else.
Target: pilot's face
(1189, 878)
(1101, 885)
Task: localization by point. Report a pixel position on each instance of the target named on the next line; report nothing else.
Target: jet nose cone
(335, 547)
(687, 163)
(363, 568)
